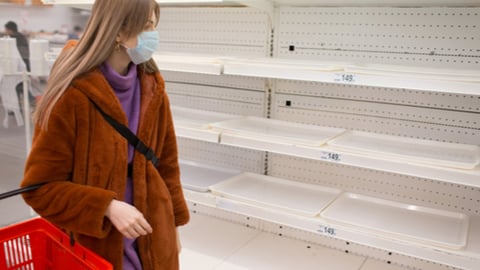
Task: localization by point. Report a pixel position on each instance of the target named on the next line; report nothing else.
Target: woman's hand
(127, 219)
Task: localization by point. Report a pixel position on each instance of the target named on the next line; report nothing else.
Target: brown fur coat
(84, 161)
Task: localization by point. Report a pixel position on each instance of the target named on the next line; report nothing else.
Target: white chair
(9, 98)
(11, 69)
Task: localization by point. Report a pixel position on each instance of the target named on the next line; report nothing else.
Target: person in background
(96, 186)
(76, 34)
(11, 29)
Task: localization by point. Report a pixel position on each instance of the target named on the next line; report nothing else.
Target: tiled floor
(12, 159)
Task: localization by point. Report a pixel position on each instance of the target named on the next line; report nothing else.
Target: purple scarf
(127, 90)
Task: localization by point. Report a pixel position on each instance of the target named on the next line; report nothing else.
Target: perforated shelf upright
(400, 72)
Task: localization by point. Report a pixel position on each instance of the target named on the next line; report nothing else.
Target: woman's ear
(120, 37)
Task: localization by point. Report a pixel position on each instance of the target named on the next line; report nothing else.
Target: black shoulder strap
(123, 130)
(20, 190)
(130, 136)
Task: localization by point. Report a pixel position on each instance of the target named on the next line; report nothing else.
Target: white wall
(31, 18)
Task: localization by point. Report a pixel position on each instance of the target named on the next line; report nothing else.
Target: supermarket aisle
(12, 159)
(213, 244)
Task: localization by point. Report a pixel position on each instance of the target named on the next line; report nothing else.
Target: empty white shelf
(198, 177)
(461, 156)
(194, 124)
(199, 119)
(308, 142)
(280, 68)
(276, 193)
(395, 165)
(348, 73)
(467, 258)
(425, 79)
(415, 72)
(397, 154)
(271, 133)
(188, 63)
(427, 225)
(378, 265)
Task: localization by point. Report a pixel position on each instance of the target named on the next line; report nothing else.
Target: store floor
(12, 159)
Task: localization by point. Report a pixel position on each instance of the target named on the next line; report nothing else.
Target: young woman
(131, 219)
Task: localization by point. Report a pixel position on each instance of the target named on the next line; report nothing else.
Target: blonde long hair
(108, 19)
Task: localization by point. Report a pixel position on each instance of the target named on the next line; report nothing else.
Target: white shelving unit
(313, 66)
(442, 81)
(466, 255)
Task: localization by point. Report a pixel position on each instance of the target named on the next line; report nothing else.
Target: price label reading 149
(327, 230)
(345, 78)
(330, 156)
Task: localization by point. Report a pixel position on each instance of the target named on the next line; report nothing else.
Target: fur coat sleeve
(83, 160)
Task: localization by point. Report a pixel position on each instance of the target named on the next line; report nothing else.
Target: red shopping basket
(38, 245)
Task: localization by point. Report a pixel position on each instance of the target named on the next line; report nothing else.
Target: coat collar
(95, 86)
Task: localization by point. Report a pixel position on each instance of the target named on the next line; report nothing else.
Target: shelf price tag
(331, 156)
(324, 229)
(345, 78)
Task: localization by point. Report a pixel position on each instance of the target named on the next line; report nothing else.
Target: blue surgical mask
(147, 44)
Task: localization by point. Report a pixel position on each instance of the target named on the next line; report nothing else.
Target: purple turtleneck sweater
(127, 90)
